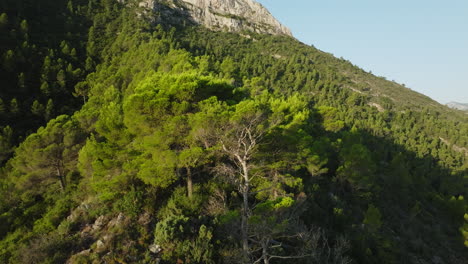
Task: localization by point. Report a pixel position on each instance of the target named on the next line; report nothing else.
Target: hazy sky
(421, 43)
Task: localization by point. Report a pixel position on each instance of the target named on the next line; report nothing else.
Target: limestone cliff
(228, 15)
(459, 106)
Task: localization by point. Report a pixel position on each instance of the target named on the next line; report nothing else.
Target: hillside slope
(200, 146)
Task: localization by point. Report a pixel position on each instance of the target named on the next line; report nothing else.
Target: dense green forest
(123, 140)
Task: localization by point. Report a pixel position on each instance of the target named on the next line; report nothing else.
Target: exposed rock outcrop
(227, 15)
(459, 106)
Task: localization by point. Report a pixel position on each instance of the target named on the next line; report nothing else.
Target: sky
(420, 43)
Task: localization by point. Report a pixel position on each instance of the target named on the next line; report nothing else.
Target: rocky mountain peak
(459, 106)
(228, 15)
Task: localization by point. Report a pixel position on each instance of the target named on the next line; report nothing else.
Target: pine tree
(14, 106)
(49, 155)
(37, 108)
(3, 21)
(49, 110)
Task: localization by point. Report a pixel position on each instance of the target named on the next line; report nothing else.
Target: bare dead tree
(238, 136)
(239, 141)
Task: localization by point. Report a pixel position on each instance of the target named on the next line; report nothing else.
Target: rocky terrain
(459, 106)
(225, 15)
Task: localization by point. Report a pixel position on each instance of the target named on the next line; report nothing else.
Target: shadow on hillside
(420, 202)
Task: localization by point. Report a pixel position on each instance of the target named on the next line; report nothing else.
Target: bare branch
(289, 257)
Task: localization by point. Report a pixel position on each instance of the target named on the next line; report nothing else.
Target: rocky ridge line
(225, 15)
(458, 106)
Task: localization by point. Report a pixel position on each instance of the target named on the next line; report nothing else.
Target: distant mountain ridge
(225, 15)
(459, 106)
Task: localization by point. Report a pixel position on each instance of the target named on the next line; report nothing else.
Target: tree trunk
(61, 178)
(265, 253)
(275, 181)
(62, 183)
(189, 183)
(245, 212)
(245, 224)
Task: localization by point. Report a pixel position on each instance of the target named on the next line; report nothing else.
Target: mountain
(459, 106)
(228, 15)
(131, 133)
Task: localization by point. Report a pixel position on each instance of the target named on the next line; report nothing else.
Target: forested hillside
(128, 141)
